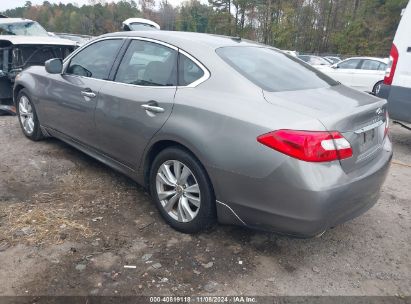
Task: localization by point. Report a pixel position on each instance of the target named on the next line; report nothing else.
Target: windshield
(141, 27)
(29, 28)
(273, 70)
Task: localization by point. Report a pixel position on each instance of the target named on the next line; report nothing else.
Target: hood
(37, 40)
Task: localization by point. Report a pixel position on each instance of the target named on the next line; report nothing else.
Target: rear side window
(349, 64)
(273, 70)
(148, 64)
(188, 71)
(95, 61)
(371, 65)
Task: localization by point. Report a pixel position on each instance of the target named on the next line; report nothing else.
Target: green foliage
(349, 27)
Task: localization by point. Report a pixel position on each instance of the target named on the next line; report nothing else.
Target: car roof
(14, 20)
(385, 60)
(188, 41)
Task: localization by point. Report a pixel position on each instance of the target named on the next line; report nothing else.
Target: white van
(397, 81)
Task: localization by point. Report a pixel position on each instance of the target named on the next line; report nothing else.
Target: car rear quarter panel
(220, 120)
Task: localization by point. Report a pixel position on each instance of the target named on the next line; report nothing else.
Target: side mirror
(335, 66)
(54, 66)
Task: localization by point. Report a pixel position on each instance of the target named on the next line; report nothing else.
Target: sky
(8, 4)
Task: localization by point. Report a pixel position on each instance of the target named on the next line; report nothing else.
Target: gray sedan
(216, 128)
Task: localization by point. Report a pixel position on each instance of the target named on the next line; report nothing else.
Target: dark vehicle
(24, 43)
(216, 128)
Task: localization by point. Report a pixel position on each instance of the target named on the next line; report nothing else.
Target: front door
(72, 97)
(138, 102)
(346, 72)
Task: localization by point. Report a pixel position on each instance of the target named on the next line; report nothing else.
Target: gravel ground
(69, 225)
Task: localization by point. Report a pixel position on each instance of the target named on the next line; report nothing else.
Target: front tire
(182, 191)
(27, 115)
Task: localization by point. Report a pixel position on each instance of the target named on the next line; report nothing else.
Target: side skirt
(112, 163)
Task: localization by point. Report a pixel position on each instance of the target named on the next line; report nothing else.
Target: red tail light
(392, 65)
(308, 146)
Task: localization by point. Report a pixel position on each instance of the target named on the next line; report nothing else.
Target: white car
(315, 61)
(292, 53)
(139, 24)
(361, 73)
(397, 82)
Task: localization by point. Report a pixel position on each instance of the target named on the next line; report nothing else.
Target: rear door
(370, 72)
(346, 72)
(71, 97)
(133, 107)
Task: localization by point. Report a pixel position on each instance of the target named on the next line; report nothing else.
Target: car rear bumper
(307, 200)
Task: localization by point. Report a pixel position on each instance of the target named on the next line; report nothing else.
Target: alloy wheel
(178, 191)
(26, 114)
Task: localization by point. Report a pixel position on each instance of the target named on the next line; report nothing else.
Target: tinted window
(382, 67)
(273, 70)
(148, 64)
(95, 61)
(349, 64)
(374, 65)
(188, 71)
(371, 65)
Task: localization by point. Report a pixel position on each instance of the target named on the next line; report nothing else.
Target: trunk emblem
(379, 111)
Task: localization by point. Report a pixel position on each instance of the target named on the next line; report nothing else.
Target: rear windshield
(273, 70)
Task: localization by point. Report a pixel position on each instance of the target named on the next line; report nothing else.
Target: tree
(349, 27)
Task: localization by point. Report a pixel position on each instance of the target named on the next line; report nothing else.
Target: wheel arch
(162, 144)
(16, 91)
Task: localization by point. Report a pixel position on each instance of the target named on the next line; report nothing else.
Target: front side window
(29, 28)
(188, 71)
(95, 60)
(272, 70)
(349, 64)
(148, 64)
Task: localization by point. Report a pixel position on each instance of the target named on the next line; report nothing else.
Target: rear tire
(182, 191)
(27, 116)
(377, 87)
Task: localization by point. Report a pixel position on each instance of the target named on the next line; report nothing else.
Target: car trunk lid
(359, 117)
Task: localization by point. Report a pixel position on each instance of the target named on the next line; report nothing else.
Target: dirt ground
(69, 225)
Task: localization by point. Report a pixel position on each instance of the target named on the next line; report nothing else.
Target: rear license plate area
(368, 139)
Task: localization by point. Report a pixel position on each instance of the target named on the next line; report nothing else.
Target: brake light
(308, 146)
(392, 65)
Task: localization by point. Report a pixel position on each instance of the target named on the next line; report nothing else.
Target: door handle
(152, 108)
(88, 93)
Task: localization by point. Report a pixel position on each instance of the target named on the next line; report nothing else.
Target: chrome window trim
(194, 84)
